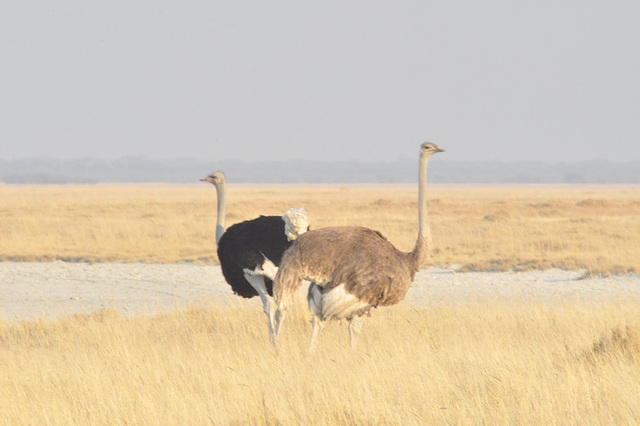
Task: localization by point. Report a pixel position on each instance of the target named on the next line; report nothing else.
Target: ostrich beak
(207, 179)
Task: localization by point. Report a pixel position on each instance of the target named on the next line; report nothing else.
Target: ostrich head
(429, 149)
(216, 178)
(296, 223)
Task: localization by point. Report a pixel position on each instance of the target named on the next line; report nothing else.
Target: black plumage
(243, 245)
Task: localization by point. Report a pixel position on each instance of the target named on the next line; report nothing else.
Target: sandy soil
(47, 290)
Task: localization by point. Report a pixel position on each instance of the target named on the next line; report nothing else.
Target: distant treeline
(141, 169)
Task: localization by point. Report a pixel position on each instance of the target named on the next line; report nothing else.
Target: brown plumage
(354, 268)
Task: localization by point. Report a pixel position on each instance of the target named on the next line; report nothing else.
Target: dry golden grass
(485, 227)
(484, 363)
(501, 362)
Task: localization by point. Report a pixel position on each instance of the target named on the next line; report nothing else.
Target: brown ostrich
(354, 268)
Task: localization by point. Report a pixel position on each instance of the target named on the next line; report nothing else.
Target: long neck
(222, 204)
(422, 248)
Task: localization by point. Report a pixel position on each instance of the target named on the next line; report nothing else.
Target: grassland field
(596, 228)
(496, 361)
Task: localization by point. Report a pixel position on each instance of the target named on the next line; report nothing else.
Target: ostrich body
(354, 268)
(250, 251)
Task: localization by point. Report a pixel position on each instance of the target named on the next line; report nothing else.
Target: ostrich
(250, 251)
(354, 268)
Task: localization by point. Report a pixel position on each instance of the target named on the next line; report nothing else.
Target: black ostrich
(250, 251)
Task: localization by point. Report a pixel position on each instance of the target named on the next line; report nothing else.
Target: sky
(543, 80)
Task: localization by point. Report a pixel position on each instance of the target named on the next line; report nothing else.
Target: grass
(595, 228)
(484, 363)
(488, 362)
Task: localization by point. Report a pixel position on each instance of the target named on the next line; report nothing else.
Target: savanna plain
(503, 361)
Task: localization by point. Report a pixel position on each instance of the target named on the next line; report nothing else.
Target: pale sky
(329, 80)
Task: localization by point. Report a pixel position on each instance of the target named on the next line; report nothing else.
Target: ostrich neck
(423, 244)
(222, 204)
